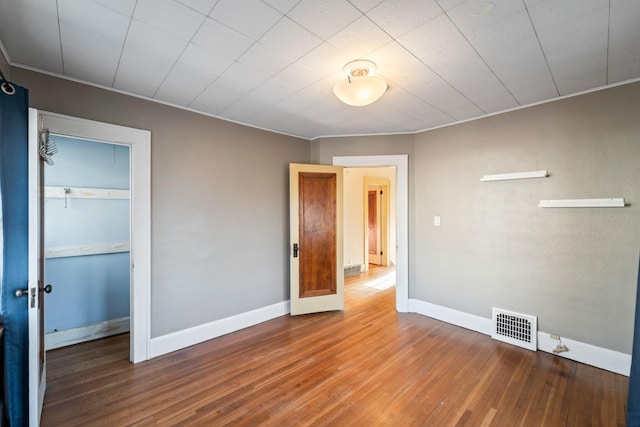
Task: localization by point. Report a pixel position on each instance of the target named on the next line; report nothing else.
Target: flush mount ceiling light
(362, 86)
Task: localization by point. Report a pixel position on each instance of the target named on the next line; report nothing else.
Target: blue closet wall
(92, 288)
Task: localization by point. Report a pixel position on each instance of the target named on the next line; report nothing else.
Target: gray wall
(4, 66)
(219, 209)
(219, 202)
(575, 269)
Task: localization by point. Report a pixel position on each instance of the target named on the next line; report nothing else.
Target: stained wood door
(37, 357)
(316, 257)
(373, 226)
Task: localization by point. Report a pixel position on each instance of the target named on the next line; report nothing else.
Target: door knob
(47, 289)
(22, 292)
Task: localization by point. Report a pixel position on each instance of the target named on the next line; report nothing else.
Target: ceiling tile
(94, 18)
(624, 41)
(549, 14)
(503, 36)
(398, 17)
(204, 61)
(445, 98)
(140, 77)
(268, 116)
(202, 6)
(150, 41)
(399, 66)
(276, 89)
(283, 6)
(570, 82)
(221, 39)
(445, 50)
(298, 75)
(92, 40)
(41, 48)
(147, 57)
(218, 96)
(89, 57)
(575, 72)
(324, 18)
(252, 18)
(360, 38)
(267, 62)
(182, 85)
(246, 106)
(169, 16)
(450, 4)
(244, 77)
(410, 105)
(325, 59)
(365, 5)
(290, 39)
(574, 40)
(297, 102)
(124, 7)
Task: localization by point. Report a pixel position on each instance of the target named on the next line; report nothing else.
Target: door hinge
(380, 252)
(380, 192)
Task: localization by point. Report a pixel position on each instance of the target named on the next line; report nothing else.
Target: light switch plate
(436, 221)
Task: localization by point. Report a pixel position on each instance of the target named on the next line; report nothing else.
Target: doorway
(379, 235)
(87, 240)
(401, 164)
(138, 144)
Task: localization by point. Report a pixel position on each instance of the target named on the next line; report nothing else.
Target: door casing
(37, 365)
(401, 163)
(139, 142)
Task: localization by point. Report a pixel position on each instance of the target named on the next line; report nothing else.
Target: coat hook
(66, 192)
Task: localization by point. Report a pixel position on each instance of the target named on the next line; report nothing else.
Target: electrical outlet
(554, 337)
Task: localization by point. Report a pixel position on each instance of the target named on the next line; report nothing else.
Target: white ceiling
(273, 63)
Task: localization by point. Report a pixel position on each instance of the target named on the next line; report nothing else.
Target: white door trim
(37, 382)
(401, 162)
(139, 142)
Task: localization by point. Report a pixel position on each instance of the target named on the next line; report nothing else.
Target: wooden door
(373, 226)
(376, 221)
(37, 357)
(317, 275)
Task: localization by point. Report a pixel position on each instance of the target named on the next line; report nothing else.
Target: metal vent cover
(515, 328)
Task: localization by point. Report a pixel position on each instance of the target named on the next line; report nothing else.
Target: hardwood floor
(366, 366)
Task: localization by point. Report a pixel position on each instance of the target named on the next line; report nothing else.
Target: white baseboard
(602, 358)
(449, 315)
(86, 333)
(197, 334)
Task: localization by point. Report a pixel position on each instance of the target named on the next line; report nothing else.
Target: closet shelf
(85, 193)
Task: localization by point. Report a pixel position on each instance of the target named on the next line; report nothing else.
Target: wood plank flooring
(366, 366)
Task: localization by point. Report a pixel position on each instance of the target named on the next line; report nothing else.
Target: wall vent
(515, 328)
(352, 270)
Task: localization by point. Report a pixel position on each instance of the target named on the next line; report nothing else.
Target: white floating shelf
(582, 203)
(516, 175)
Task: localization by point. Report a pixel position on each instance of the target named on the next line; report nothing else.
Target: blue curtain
(14, 263)
(633, 404)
